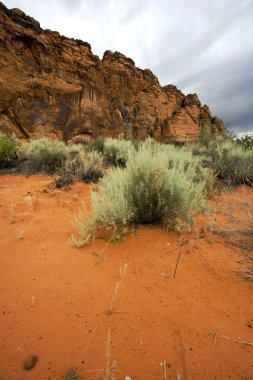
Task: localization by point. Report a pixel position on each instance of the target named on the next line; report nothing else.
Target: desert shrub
(97, 145)
(85, 166)
(230, 161)
(90, 167)
(183, 157)
(46, 155)
(150, 190)
(245, 141)
(8, 148)
(117, 151)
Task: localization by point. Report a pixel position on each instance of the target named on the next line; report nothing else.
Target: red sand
(122, 313)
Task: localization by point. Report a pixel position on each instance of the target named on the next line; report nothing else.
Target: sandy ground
(111, 310)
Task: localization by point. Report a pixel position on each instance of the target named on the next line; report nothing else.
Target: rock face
(54, 86)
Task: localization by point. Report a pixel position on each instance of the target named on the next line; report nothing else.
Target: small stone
(33, 301)
(30, 362)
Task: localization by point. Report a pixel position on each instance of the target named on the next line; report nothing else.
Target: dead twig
(178, 257)
(182, 244)
(101, 261)
(122, 273)
(238, 340)
(78, 315)
(164, 370)
(120, 312)
(147, 287)
(214, 340)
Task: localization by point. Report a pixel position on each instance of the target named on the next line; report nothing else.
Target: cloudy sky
(202, 46)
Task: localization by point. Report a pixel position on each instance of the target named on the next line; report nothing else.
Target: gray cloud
(201, 46)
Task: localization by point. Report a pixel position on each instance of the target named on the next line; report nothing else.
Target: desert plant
(90, 167)
(46, 155)
(241, 236)
(97, 145)
(245, 141)
(71, 374)
(118, 151)
(85, 166)
(245, 240)
(152, 189)
(8, 148)
(230, 161)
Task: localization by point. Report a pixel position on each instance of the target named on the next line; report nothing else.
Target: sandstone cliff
(51, 85)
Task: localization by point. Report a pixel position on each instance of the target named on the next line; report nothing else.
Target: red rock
(30, 362)
(51, 85)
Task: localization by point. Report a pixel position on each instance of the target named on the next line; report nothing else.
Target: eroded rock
(51, 85)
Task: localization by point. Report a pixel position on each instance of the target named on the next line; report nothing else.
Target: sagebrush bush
(85, 166)
(90, 167)
(97, 145)
(183, 157)
(231, 162)
(152, 189)
(8, 148)
(118, 151)
(46, 155)
(245, 141)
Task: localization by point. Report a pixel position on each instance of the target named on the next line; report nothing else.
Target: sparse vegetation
(228, 160)
(71, 374)
(154, 188)
(231, 162)
(71, 162)
(245, 241)
(246, 141)
(8, 148)
(85, 167)
(118, 151)
(97, 144)
(152, 183)
(46, 155)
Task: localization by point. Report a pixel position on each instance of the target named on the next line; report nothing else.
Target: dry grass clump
(246, 243)
(241, 236)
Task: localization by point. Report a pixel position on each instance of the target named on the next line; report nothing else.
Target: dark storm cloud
(215, 60)
(201, 46)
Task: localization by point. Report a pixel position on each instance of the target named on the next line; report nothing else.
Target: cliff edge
(51, 85)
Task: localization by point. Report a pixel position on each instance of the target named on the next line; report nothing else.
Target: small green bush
(152, 189)
(97, 145)
(231, 162)
(246, 141)
(85, 166)
(90, 167)
(46, 155)
(118, 151)
(8, 148)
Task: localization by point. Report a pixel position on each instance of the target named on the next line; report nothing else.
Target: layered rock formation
(51, 85)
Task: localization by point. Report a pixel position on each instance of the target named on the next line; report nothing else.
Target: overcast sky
(202, 46)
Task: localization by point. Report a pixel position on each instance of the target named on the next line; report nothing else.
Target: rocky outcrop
(51, 85)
